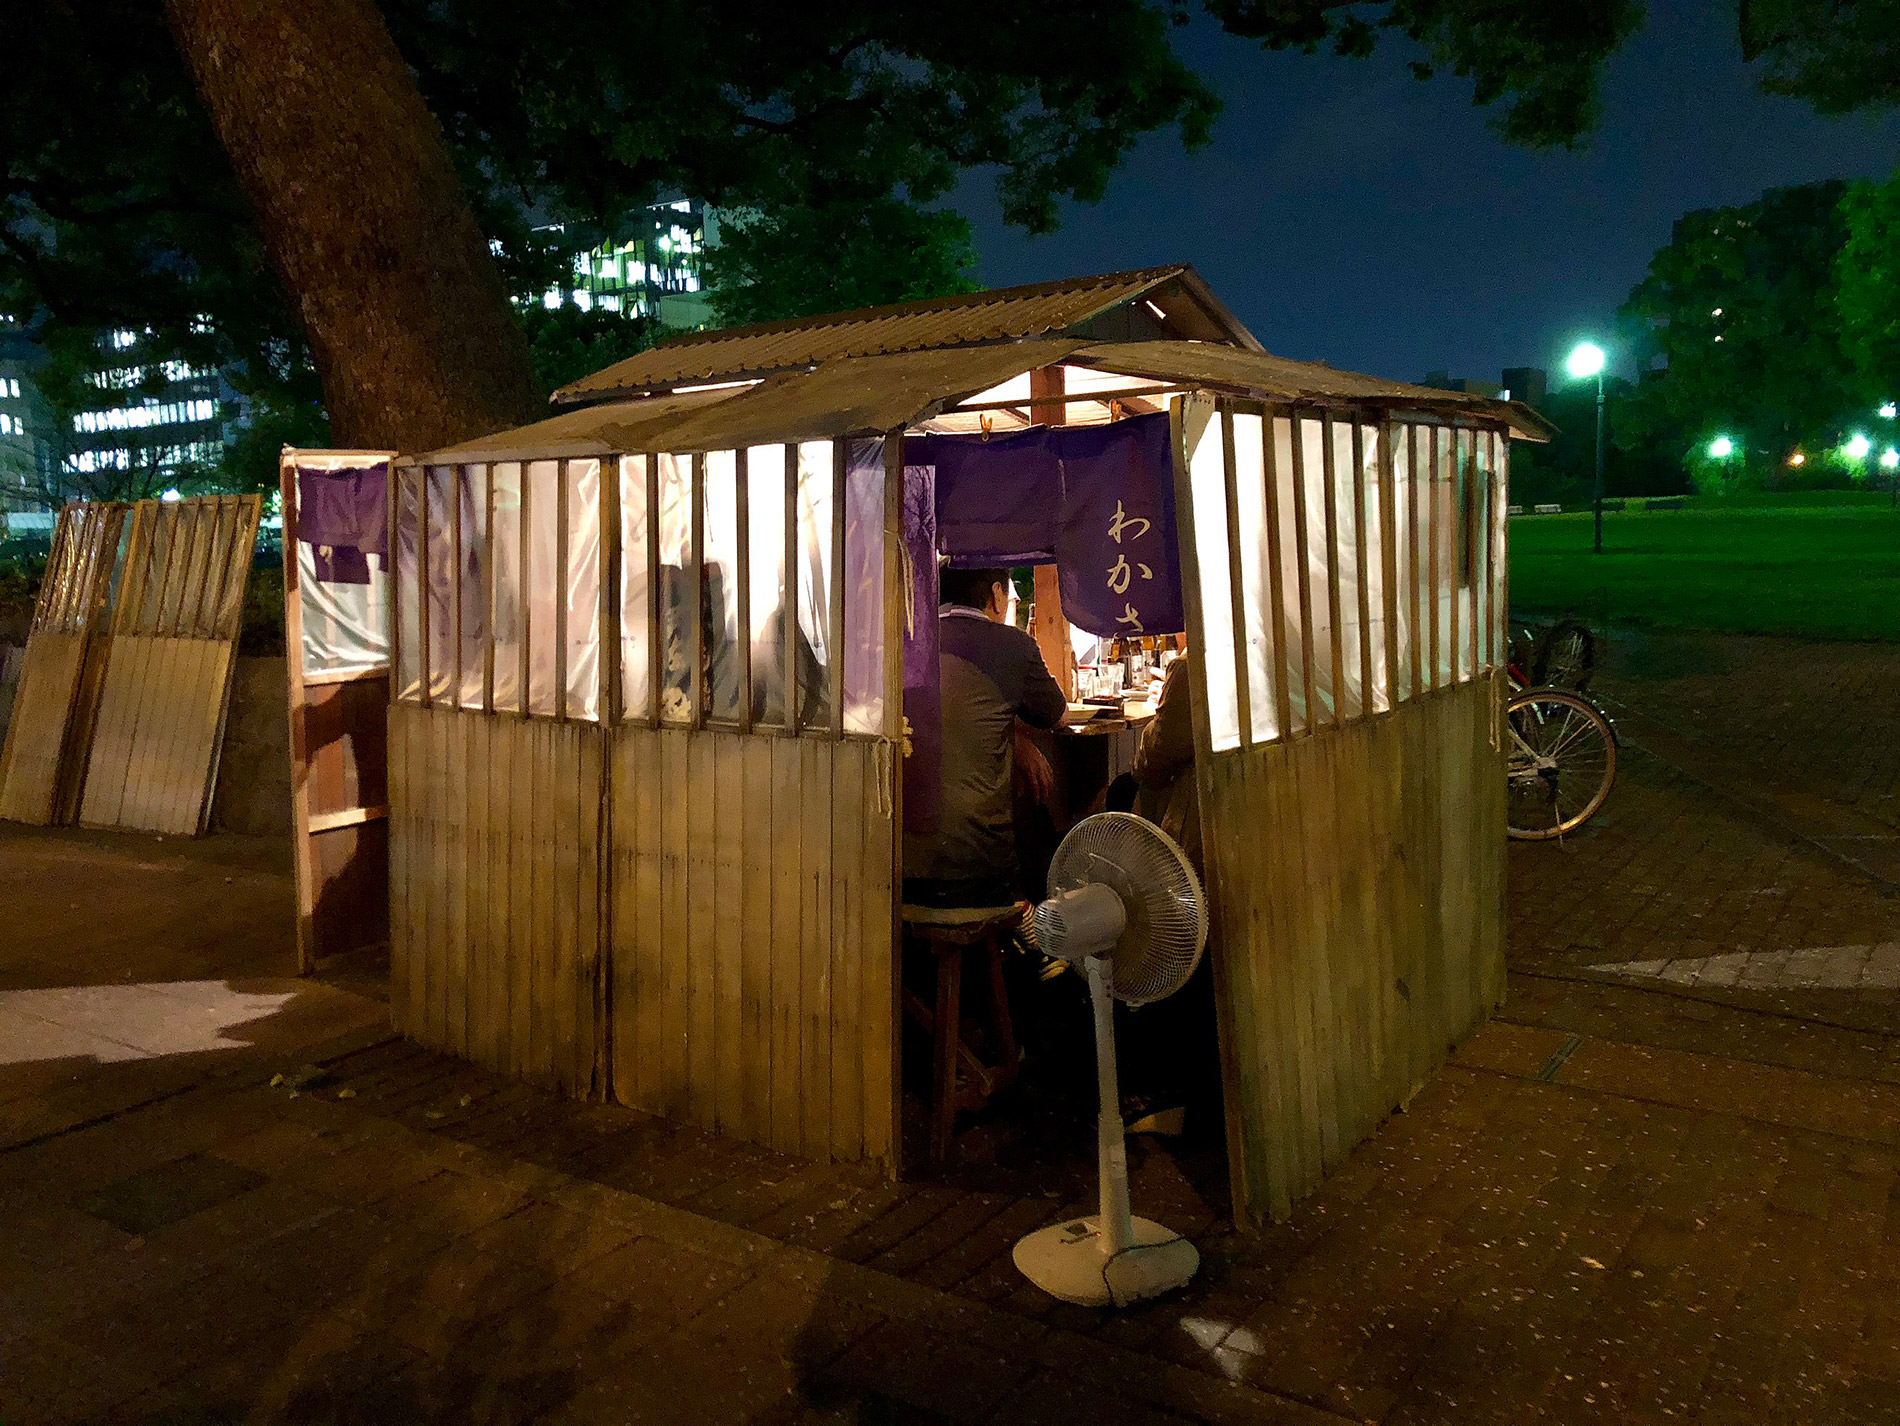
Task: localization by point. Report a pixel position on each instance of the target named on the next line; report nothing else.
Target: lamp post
(1586, 360)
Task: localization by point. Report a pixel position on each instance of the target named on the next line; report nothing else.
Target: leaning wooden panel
(164, 711)
(54, 710)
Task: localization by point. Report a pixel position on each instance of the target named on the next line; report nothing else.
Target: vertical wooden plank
(814, 931)
(401, 836)
(787, 1125)
(883, 847)
(302, 853)
(755, 937)
(503, 736)
(1415, 583)
(592, 918)
(702, 930)
(1236, 584)
(523, 604)
(731, 1055)
(477, 889)
(421, 870)
(566, 968)
(849, 795)
(1434, 576)
(1475, 542)
(523, 941)
(455, 880)
(677, 818)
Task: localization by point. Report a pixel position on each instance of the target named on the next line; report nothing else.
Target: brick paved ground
(1618, 1203)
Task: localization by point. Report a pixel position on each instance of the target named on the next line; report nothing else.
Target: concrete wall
(253, 792)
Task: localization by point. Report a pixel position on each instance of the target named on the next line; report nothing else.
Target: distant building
(657, 269)
(170, 417)
(28, 436)
(1516, 383)
(1529, 384)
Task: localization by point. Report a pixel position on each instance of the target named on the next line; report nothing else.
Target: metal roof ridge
(983, 297)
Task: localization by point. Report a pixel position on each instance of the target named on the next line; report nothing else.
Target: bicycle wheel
(1560, 764)
(1565, 657)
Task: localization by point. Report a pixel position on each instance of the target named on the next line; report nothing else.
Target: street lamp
(1857, 446)
(1586, 361)
(1721, 448)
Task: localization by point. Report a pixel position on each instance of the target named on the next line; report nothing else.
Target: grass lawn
(1820, 568)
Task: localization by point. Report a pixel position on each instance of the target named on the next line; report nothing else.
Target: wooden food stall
(649, 683)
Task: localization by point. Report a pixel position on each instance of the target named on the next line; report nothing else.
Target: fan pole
(1117, 1224)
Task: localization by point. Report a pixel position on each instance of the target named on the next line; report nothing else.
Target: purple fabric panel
(1115, 545)
(998, 498)
(340, 564)
(344, 515)
(923, 693)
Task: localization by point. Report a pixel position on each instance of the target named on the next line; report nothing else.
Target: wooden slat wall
(1356, 871)
(751, 879)
(55, 708)
(494, 890)
(168, 671)
(1359, 925)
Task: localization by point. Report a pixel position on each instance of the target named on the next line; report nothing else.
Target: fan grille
(1167, 912)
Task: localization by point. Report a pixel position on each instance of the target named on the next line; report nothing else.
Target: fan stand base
(1071, 1261)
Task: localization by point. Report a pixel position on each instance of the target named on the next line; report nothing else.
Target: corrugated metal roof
(1224, 368)
(1004, 314)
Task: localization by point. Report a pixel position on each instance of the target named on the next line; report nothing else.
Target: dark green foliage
(1867, 275)
(1738, 333)
(871, 254)
(1542, 61)
(1838, 55)
(565, 343)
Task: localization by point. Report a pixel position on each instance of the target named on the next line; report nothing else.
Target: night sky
(1350, 214)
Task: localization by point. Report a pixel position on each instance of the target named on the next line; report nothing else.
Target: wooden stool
(947, 933)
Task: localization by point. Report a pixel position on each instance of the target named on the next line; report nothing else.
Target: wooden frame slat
(562, 511)
(1276, 582)
(742, 632)
(1303, 568)
(1329, 466)
(788, 651)
(1362, 564)
(840, 459)
(696, 592)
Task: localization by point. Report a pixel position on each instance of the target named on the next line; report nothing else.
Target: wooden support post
(1051, 628)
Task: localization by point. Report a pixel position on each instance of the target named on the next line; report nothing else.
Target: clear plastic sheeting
(814, 573)
(1316, 572)
(345, 626)
(719, 581)
(408, 608)
(1404, 563)
(636, 606)
(508, 615)
(1207, 483)
(1373, 536)
(1500, 549)
(1347, 543)
(1256, 576)
(508, 585)
(676, 630)
(864, 588)
(1285, 508)
(583, 590)
(765, 575)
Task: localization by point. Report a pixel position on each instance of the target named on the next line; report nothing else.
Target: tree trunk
(364, 218)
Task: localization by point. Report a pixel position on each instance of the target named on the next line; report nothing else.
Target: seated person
(991, 674)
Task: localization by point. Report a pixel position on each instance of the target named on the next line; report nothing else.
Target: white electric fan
(1125, 903)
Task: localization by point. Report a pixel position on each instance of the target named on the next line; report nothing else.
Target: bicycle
(1561, 757)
